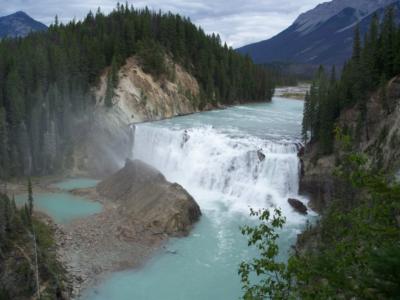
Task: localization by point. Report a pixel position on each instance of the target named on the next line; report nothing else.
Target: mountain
(19, 24)
(323, 35)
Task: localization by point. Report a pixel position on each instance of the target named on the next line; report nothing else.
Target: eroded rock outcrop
(143, 194)
(104, 140)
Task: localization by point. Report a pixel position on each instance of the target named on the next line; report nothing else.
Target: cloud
(238, 22)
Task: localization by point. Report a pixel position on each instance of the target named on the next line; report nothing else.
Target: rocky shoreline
(90, 248)
(293, 92)
(141, 210)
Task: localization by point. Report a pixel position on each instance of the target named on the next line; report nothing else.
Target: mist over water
(229, 161)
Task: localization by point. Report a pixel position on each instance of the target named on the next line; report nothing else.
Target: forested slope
(28, 256)
(374, 62)
(352, 125)
(46, 79)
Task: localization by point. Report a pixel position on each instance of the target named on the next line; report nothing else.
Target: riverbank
(91, 247)
(293, 92)
(114, 239)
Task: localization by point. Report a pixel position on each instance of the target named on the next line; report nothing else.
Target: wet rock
(185, 138)
(300, 151)
(298, 206)
(208, 107)
(261, 155)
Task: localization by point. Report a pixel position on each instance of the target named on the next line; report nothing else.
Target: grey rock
(261, 155)
(145, 196)
(298, 206)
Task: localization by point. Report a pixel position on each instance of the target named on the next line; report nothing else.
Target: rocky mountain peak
(19, 24)
(310, 20)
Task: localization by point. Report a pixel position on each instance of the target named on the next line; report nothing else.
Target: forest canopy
(46, 78)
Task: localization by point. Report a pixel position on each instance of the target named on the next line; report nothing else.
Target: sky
(238, 22)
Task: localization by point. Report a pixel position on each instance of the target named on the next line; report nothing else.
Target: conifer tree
(30, 198)
(357, 44)
(109, 91)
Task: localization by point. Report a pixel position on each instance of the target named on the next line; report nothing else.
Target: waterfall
(230, 161)
(222, 170)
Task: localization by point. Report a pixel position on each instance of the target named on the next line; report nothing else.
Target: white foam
(222, 171)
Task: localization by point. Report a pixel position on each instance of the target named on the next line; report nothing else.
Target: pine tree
(7, 214)
(371, 50)
(4, 157)
(109, 92)
(30, 198)
(388, 37)
(357, 44)
(306, 118)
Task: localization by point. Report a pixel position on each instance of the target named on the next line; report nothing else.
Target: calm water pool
(64, 207)
(76, 183)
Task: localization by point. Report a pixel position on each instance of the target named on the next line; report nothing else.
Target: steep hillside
(378, 138)
(352, 134)
(19, 24)
(28, 256)
(106, 139)
(323, 35)
(48, 98)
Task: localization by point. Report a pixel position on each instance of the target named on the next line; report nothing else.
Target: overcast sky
(239, 22)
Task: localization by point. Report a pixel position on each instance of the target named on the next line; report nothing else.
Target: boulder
(298, 206)
(145, 196)
(185, 138)
(261, 155)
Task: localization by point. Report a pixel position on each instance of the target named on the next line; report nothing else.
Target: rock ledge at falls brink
(143, 193)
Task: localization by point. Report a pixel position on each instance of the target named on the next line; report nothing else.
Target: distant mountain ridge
(19, 24)
(308, 21)
(323, 35)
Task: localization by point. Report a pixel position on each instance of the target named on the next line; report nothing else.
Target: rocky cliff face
(105, 140)
(378, 137)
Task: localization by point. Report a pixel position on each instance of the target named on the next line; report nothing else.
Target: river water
(216, 157)
(62, 206)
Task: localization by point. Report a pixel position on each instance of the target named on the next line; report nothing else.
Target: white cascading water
(222, 169)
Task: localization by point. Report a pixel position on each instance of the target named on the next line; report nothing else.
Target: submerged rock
(143, 194)
(298, 206)
(185, 138)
